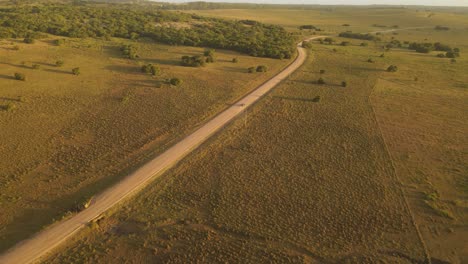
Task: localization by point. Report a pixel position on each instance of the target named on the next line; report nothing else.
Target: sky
(346, 2)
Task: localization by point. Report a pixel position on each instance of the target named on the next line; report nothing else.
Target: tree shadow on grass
(44, 64)
(162, 61)
(123, 68)
(8, 77)
(58, 71)
(312, 100)
(16, 65)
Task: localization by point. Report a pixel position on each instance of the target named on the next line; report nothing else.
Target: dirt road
(31, 250)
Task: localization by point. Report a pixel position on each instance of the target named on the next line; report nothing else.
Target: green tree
(175, 81)
(392, 68)
(262, 68)
(20, 76)
(344, 84)
(76, 71)
(251, 69)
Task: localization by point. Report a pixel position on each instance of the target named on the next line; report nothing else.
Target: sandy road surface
(31, 250)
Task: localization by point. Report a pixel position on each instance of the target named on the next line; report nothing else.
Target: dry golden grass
(294, 180)
(71, 136)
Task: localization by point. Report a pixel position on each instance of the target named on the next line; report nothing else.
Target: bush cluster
(358, 36)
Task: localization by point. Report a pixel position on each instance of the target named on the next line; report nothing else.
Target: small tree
(20, 76)
(235, 60)
(175, 81)
(10, 107)
(344, 84)
(392, 68)
(209, 59)
(28, 40)
(76, 71)
(209, 53)
(262, 68)
(452, 54)
(59, 63)
(320, 81)
(345, 43)
(322, 71)
(251, 70)
(306, 44)
(59, 42)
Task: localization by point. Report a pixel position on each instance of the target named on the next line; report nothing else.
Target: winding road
(36, 247)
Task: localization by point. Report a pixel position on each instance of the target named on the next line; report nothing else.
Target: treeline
(428, 47)
(123, 21)
(358, 36)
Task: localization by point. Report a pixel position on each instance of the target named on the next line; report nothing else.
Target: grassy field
(359, 19)
(376, 171)
(66, 137)
(293, 180)
(422, 113)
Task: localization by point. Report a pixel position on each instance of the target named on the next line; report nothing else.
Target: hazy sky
(347, 2)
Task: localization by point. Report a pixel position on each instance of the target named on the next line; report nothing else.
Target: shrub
(320, 81)
(59, 63)
(344, 84)
(175, 81)
(316, 99)
(357, 36)
(251, 70)
(364, 44)
(392, 68)
(235, 60)
(453, 60)
(452, 54)
(370, 60)
(20, 76)
(329, 40)
(346, 25)
(306, 44)
(345, 43)
(441, 28)
(76, 71)
(10, 107)
(441, 55)
(382, 55)
(322, 71)
(262, 68)
(129, 51)
(150, 69)
(194, 61)
(59, 42)
(28, 40)
(307, 27)
(209, 53)
(209, 59)
(36, 66)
